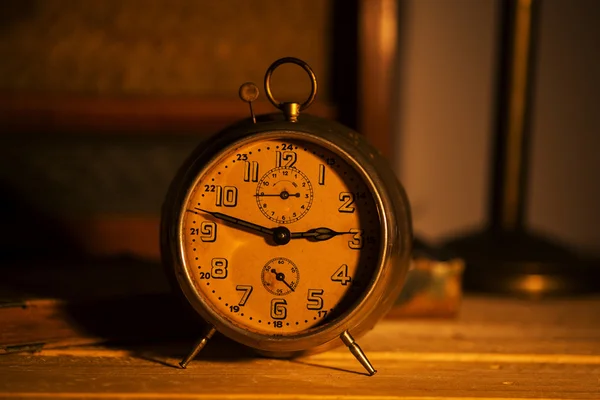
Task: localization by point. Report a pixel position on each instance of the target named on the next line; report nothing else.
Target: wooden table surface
(496, 349)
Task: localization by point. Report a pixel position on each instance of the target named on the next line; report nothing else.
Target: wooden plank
(101, 235)
(374, 356)
(496, 349)
(81, 115)
(145, 376)
(109, 235)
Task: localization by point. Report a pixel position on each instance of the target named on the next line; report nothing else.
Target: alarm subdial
(284, 195)
(280, 276)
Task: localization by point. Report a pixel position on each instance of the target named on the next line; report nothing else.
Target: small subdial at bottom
(280, 276)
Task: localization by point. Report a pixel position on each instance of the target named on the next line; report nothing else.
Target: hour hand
(318, 234)
(236, 221)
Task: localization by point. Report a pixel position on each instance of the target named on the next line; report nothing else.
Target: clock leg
(357, 352)
(197, 347)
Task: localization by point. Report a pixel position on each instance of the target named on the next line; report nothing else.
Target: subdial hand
(284, 195)
(237, 221)
(318, 234)
(280, 276)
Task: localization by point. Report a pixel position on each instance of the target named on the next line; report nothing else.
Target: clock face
(280, 235)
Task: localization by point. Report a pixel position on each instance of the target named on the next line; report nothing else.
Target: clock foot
(357, 352)
(198, 347)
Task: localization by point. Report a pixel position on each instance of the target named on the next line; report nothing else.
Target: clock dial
(280, 236)
(280, 276)
(284, 195)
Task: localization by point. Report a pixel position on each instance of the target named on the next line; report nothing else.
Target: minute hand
(318, 234)
(237, 221)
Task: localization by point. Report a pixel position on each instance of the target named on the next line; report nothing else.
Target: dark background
(73, 182)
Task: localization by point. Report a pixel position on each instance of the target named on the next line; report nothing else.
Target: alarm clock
(286, 232)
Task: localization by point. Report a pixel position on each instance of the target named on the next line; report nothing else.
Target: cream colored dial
(286, 272)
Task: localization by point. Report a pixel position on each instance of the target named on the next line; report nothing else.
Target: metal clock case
(276, 253)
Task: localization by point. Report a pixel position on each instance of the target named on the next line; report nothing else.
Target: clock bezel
(395, 233)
